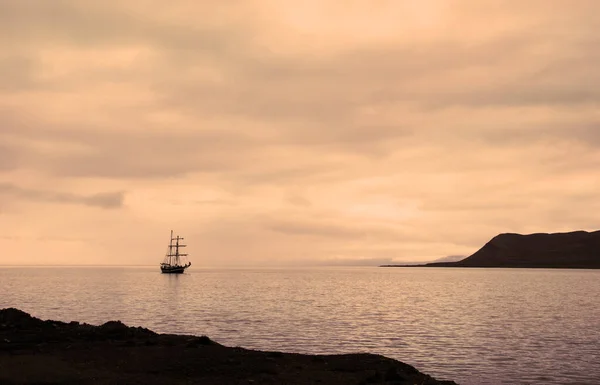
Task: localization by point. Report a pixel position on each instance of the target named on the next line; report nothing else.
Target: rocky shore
(33, 351)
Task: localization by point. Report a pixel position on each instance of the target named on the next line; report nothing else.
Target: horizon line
(296, 263)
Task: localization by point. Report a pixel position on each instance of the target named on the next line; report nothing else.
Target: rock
(58, 352)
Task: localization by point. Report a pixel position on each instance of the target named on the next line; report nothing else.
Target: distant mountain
(574, 250)
(450, 258)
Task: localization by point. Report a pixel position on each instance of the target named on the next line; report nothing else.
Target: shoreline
(452, 265)
(46, 351)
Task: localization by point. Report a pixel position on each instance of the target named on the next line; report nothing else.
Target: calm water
(474, 326)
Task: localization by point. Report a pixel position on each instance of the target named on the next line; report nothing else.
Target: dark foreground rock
(573, 250)
(33, 351)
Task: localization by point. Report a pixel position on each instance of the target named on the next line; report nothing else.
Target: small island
(572, 250)
(33, 351)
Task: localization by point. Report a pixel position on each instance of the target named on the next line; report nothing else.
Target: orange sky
(286, 132)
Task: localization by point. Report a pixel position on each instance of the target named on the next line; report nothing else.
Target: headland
(572, 250)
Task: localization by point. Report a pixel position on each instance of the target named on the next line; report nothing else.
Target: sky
(275, 132)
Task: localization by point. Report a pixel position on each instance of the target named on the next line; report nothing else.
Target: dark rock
(12, 317)
(73, 353)
(374, 378)
(198, 341)
(392, 375)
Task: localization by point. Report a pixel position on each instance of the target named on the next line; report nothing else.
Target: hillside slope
(578, 249)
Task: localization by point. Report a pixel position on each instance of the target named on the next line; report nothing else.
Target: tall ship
(173, 262)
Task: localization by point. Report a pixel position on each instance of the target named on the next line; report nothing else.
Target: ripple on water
(474, 326)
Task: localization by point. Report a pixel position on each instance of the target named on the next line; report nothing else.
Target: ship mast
(177, 246)
(170, 247)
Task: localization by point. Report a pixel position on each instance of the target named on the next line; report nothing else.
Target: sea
(473, 326)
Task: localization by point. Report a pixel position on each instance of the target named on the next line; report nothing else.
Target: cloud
(103, 200)
(8, 158)
(123, 152)
(329, 229)
(97, 23)
(376, 131)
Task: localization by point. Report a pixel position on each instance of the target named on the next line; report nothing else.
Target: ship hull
(173, 269)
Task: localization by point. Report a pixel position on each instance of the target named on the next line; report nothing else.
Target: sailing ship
(172, 263)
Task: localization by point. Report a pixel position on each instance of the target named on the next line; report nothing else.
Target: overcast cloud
(285, 132)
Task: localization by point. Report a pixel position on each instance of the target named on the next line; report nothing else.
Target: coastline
(498, 266)
(38, 351)
(515, 266)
